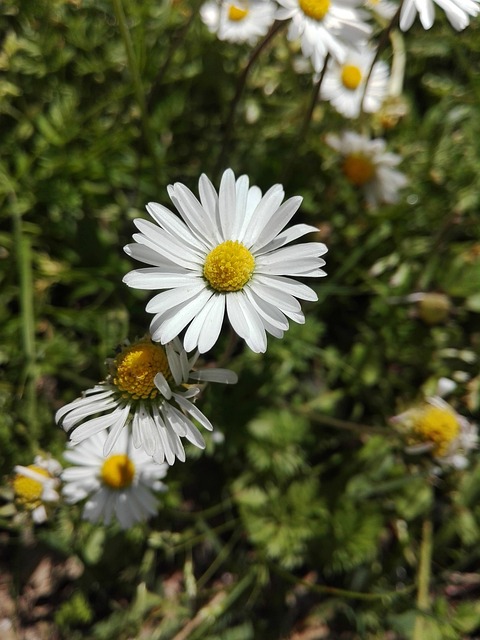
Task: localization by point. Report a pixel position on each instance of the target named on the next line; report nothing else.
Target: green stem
(423, 580)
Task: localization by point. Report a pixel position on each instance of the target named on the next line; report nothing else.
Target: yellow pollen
(315, 9)
(28, 492)
(351, 76)
(135, 368)
(229, 266)
(236, 13)
(440, 426)
(358, 169)
(118, 471)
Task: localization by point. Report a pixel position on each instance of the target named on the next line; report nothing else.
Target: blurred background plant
(304, 518)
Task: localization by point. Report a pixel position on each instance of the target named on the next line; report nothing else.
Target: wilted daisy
(345, 84)
(148, 389)
(366, 163)
(239, 21)
(36, 485)
(325, 27)
(118, 485)
(436, 427)
(227, 255)
(458, 12)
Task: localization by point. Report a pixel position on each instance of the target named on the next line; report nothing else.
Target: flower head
(36, 485)
(458, 12)
(227, 255)
(239, 20)
(149, 388)
(367, 164)
(118, 485)
(383, 8)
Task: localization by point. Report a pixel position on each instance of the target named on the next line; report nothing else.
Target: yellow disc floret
(117, 471)
(358, 169)
(351, 76)
(436, 425)
(229, 266)
(28, 491)
(315, 9)
(135, 368)
(237, 13)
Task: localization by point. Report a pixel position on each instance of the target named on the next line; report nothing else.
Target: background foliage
(306, 521)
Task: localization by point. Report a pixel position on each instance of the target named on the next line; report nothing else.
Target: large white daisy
(119, 485)
(345, 84)
(325, 27)
(149, 388)
(367, 164)
(227, 255)
(239, 21)
(458, 12)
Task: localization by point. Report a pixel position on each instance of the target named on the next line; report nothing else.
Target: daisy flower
(325, 27)
(239, 21)
(145, 383)
(367, 164)
(383, 8)
(345, 84)
(226, 255)
(37, 484)
(458, 12)
(436, 427)
(118, 485)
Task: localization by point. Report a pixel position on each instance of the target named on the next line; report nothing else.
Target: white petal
(276, 221)
(224, 376)
(227, 203)
(205, 328)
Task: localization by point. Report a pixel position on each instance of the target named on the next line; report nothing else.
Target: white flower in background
(149, 389)
(227, 255)
(436, 427)
(458, 12)
(383, 8)
(117, 485)
(366, 163)
(325, 27)
(345, 84)
(37, 484)
(239, 21)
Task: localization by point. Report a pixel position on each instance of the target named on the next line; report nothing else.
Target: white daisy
(145, 383)
(37, 484)
(117, 485)
(383, 8)
(239, 21)
(345, 84)
(226, 255)
(325, 27)
(436, 427)
(366, 163)
(458, 12)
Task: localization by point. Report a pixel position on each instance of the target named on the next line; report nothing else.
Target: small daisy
(118, 485)
(145, 383)
(382, 8)
(226, 255)
(435, 427)
(325, 27)
(344, 85)
(37, 484)
(458, 12)
(367, 164)
(239, 21)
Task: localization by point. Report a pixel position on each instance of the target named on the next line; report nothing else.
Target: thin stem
(423, 580)
(336, 423)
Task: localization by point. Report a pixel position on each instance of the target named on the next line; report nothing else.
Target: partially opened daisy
(35, 486)
(119, 485)
(227, 255)
(366, 163)
(458, 12)
(345, 84)
(325, 27)
(239, 21)
(148, 391)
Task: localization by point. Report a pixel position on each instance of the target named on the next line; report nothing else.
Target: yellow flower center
(118, 471)
(136, 367)
(351, 76)
(315, 9)
(229, 266)
(28, 491)
(440, 426)
(358, 169)
(236, 13)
